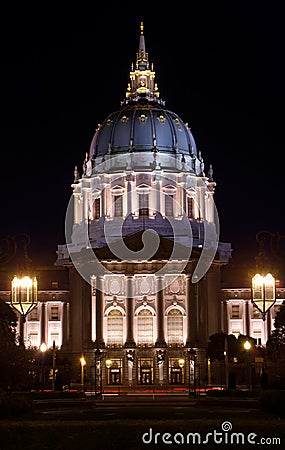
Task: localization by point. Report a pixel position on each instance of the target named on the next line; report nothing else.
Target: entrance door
(176, 376)
(115, 376)
(146, 376)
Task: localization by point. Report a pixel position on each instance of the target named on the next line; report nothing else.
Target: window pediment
(117, 190)
(191, 192)
(143, 189)
(169, 189)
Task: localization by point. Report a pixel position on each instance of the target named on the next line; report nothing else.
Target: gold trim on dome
(124, 119)
(143, 118)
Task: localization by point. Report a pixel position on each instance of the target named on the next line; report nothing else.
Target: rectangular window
(118, 205)
(33, 315)
(96, 209)
(190, 207)
(169, 206)
(54, 313)
(235, 312)
(143, 205)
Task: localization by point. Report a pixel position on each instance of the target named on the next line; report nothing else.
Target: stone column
(192, 312)
(130, 311)
(85, 195)
(99, 311)
(65, 324)
(184, 201)
(129, 195)
(158, 194)
(103, 201)
(43, 323)
(160, 342)
(247, 318)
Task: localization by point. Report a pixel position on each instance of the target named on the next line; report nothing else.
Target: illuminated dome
(143, 124)
(140, 127)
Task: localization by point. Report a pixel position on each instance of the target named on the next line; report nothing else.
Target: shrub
(14, 405)
(273, 401)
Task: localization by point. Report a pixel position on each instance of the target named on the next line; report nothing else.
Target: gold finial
(141, 27)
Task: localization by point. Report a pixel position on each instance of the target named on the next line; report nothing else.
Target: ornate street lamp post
(263, 292)
(263, 282)
(24, 297)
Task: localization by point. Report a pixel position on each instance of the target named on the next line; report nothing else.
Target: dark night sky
(219, 66)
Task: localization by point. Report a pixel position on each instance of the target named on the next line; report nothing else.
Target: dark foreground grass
(45, 432)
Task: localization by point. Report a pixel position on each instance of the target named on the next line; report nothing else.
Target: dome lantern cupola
(142, 86)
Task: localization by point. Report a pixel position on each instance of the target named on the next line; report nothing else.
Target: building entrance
(176, 370)
(145, 371)
(175, 376)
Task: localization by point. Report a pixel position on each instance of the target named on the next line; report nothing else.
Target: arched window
(175, 326)
(145, 327)
(115, 327)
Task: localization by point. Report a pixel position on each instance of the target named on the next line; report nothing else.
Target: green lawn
(42, 431)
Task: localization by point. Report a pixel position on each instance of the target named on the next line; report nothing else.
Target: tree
(219, 343)
(14, 359)
(276, 341)
(275, 347)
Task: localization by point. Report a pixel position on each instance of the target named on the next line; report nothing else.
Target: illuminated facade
(141, 312)
(242, 317)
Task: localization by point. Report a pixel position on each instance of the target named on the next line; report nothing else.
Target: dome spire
(142, 43)
(142, 86)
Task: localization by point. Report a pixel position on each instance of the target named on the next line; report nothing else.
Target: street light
(247, 347)
(24, 297)
(83, 364)
(263, 292)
